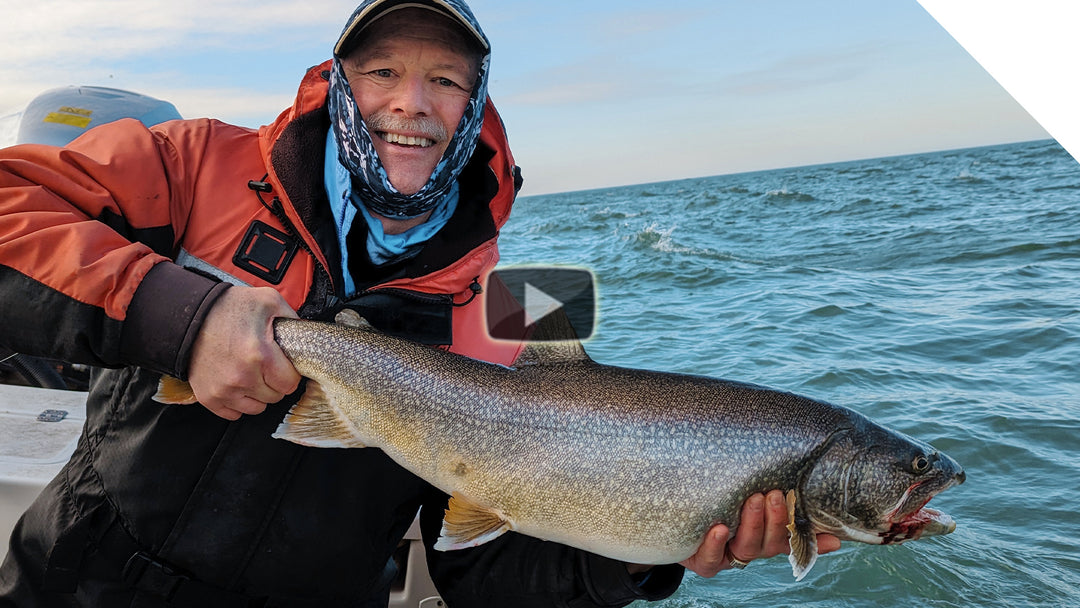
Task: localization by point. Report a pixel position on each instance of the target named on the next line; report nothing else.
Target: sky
(594, 93)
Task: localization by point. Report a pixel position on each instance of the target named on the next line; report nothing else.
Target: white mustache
(428, 127)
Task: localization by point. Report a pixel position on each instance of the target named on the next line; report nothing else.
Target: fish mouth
(915, 525)
(912, 519)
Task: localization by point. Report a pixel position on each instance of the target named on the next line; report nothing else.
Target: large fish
(631, 464)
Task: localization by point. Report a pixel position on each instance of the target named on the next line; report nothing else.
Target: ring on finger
(737, 563)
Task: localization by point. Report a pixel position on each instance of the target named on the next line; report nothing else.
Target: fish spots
(460, 469)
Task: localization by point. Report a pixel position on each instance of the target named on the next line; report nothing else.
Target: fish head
(872, 484)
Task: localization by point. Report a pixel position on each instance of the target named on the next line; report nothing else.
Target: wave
(783, 194)
(608, 214)
(1055, 250)
(968, 177)
(653, 238)
(660, 239)
(1075, 186)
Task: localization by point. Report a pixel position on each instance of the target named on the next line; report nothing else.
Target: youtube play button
(519, 297)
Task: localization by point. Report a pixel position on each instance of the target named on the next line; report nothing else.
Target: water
(936, 293)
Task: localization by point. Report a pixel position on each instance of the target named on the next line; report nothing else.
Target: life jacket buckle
(266, 252)
(145, 573)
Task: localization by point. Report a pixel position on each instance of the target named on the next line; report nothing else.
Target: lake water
(937, 293)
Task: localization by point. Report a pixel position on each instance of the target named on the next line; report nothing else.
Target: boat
(43, 401)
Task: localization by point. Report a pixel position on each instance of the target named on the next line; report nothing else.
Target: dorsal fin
(351, 318)
(552, 341)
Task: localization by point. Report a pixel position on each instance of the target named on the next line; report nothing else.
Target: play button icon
(519, 297)
(538, 303)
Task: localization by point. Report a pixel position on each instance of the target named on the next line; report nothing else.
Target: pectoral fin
(468, 524)
(314, 422)
(801, 536)
(174, 391)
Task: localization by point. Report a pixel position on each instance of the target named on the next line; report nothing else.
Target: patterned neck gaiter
(357, 152)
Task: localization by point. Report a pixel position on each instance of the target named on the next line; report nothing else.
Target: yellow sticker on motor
(67, 119)
(79, 111)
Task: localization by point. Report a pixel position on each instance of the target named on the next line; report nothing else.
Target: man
(170, 250)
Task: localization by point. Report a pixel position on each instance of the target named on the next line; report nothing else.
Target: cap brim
(377, 10)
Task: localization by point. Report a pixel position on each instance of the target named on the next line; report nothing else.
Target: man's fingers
(249, 396)
(711, 555)
(827, 543)
(249, 406)
(776, 521)
(750, 535)
(712, 550)
(224, 411)
(236, 366)
(280, 376)
(262, 395)
(233, 409)
(762, 532)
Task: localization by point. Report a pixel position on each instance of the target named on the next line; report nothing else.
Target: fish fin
(314, 422)
(174, 391)
(552, 341)
(352, 318)
(468, 524)
(801, 537)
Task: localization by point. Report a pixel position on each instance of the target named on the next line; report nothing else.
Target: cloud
(565, 93)
(806, 70)
(145, 46)
(235, 105)
(78, 31)
(618, 26)
(595, 54)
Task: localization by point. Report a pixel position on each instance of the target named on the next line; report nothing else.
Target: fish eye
(920, 464)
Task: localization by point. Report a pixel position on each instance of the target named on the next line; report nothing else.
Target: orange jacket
(91, 234)
(90, 237)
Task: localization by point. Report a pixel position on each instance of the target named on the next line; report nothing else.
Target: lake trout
(630, 464)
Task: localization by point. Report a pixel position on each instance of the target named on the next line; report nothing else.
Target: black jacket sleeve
(517, 571)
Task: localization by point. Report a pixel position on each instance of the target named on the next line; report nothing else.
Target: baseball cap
(373, 10)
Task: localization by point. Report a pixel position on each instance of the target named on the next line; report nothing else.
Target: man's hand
(236, 366)
(762, 533)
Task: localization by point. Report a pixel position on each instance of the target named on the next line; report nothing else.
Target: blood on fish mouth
(915, 524)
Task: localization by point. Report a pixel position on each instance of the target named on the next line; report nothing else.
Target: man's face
(412, 78)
